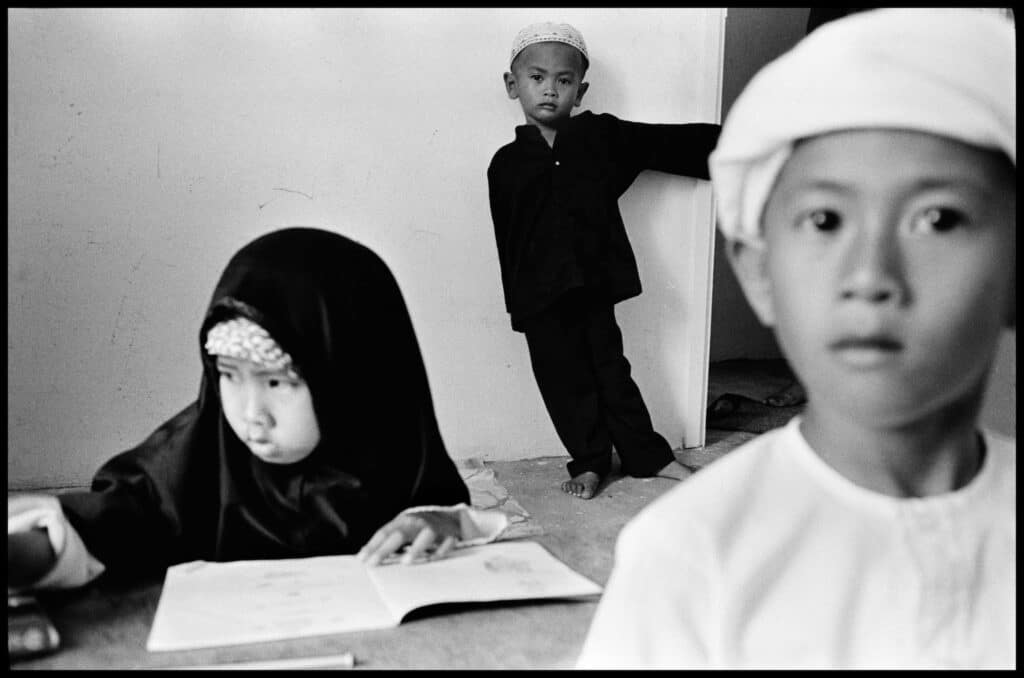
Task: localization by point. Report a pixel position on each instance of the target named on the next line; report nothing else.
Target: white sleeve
(75, 566)
(656, 609)
(478, 526)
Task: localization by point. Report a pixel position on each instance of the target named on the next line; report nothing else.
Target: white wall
(145, 146)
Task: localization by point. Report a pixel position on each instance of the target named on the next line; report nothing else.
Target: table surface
(107, 627)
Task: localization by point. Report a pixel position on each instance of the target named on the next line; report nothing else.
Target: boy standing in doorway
(564, 254)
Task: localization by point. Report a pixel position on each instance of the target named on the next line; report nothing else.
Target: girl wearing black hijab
(313, 429)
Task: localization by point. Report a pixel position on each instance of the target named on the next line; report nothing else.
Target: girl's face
(271, 411)
(891, 261)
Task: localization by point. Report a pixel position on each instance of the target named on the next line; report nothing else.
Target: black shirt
(556, 211)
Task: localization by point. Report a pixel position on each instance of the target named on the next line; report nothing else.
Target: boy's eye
(536, 78)
(226, 375)
(820, 220)
(565, 81)
(936, 220)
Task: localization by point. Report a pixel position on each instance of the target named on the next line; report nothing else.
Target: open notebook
(206, 604)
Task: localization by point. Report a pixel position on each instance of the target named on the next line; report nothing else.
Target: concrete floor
(561, 518)
(534, 484)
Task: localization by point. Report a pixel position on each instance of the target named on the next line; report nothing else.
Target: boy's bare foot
(583, 486)
(674, 470)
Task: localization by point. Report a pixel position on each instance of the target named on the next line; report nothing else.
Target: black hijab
(192, 490)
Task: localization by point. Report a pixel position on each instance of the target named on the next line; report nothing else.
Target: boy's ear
(751, 266)
(584, 86)
(510, 85)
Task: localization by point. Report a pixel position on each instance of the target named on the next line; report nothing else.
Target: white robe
(771, 559)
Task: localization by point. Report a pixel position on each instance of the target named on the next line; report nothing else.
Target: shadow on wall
(753, 37)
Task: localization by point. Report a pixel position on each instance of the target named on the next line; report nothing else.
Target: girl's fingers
(371, 546)
(423, 541)
(390, 538)
(444, 548)
(376, 540)
(402, 525)
(394, 541)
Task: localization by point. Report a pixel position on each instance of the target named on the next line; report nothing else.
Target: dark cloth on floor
(193, 490)
(555, 208)
(735, 412)
(585, 381)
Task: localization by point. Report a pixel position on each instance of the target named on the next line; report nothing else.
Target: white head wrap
(548, 32)
(943, 71)
(243, 339)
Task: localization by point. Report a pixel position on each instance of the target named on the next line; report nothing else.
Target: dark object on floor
(740, 390)
(30, 633)
(757, 379)
(734, 412)
(792, 394)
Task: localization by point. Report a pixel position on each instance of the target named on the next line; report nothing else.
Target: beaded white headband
(243, 339)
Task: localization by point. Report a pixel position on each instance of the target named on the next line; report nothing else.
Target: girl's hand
(423, 531)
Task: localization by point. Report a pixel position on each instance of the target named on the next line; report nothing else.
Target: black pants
(584, 379)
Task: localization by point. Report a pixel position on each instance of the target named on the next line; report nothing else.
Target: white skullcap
(942, 71)
(548, 32)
